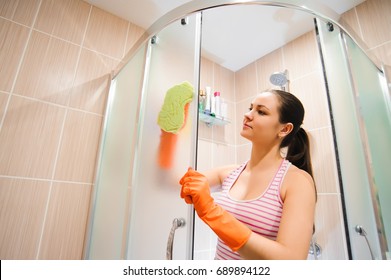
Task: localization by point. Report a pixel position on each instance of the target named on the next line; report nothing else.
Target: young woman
(266, 206)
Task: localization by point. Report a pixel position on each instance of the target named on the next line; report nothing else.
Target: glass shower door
(106, 233)
(155, 201)
(374, 102)
(361, 113)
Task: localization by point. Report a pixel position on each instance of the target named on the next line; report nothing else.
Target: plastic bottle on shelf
(217, 104)
(201, 100)
(208, 100)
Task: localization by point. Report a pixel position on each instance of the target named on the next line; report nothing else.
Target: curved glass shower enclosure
(136, 211)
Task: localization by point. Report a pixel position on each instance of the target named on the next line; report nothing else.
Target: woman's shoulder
(298, 180)
(296, 174)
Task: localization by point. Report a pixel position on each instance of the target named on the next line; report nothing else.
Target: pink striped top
(262, 214)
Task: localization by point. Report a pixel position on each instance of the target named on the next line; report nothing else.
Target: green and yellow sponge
(172, 118)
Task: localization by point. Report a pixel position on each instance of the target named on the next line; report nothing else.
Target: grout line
(19, 64)
(44, 180)
(359, 25)
(60, 142)
(57, 105)
(11, 93)
(78, 59)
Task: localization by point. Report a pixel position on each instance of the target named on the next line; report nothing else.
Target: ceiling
(227, 50)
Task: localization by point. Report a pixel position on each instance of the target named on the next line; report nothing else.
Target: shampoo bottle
(208, 100)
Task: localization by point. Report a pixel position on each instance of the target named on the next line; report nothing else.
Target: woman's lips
(246, 126)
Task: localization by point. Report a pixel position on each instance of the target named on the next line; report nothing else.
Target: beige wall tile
(323, 158)
(383, 53)
(29, 138)
(375, 21)
(329, 232)
(79, 146)
(53, 63)
(13, 37)
(246, 82)
(22, 11)
(311, 91)
(63, 235)
(206, 76)
(302, 56)
(103, 30)
(267, 65)
(349, 20)
(224, 133)
(66, 19)
(204, 155)
(134, 33)
(92, 82)
(3, 103)
(224, 82)
(22, 211)
(205, 131)
(223, 154)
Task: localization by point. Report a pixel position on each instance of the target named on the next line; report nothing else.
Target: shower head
(279, 78)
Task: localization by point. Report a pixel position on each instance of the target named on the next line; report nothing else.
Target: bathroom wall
(371, 22)
(56, 58)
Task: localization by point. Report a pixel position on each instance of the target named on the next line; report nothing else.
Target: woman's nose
(248, 115)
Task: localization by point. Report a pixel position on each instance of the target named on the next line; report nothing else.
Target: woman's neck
(263, 158)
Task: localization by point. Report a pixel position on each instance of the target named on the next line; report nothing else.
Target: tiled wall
(55, 58)
(55, 64)
(371, 22)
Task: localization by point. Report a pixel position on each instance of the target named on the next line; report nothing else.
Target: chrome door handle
(176, 223)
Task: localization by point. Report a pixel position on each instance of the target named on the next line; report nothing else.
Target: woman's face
(261, 123)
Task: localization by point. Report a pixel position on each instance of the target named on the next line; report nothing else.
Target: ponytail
(291, 110)
(299, 151)
(299, 155)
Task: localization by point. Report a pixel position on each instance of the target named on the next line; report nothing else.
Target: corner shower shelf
(212, 120)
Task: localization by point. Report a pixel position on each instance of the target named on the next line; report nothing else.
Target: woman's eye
(261, 112)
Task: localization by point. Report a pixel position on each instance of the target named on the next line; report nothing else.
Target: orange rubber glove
(195, 190)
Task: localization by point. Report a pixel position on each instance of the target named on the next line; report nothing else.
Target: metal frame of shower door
(197, 74)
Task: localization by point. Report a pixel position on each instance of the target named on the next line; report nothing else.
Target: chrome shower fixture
(280, 79)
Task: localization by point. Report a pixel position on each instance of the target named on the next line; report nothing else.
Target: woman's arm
(296, 225)
(217, 175)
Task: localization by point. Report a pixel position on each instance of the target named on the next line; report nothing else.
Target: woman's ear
(285, 130)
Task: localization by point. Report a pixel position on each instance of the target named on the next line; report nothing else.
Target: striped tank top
(262, 214)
